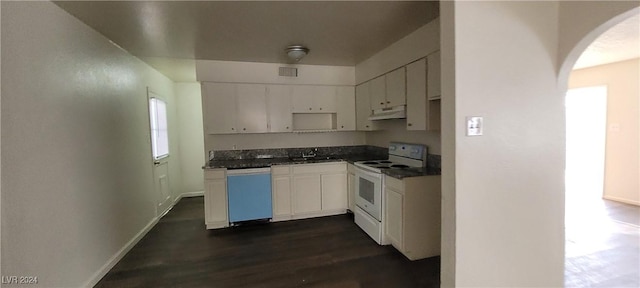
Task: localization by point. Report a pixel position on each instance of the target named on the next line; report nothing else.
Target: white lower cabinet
(334, 192)
(351, 187)
(307, 194)
(281, 192)
(412, 215)
(215, 195)
(318, 189)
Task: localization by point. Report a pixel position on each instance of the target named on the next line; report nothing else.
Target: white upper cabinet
(252, 108)
(324, 100)
(363, 108)
(314, 99)
(279, 108)
(377, 93)
(346, 108)
(302, 98)
(417, 95)
(433, 76)
(219, 108)
(396, 88)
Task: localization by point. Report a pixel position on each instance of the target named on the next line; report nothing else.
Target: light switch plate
(474, 126)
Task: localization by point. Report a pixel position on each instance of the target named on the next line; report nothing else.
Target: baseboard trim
(96, 277)
(192, 194)
(617, 199)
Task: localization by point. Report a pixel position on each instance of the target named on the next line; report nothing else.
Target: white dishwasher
(249, 194)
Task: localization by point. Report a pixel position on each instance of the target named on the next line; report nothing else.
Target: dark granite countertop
(411, 172)
(268, 162)
(262, 158)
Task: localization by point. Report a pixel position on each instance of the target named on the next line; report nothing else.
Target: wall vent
(288, 72)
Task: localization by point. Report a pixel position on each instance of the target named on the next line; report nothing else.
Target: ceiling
(621, 42)
(169, 35)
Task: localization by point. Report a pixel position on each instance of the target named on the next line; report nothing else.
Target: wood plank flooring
(319, 252)
(602, 244)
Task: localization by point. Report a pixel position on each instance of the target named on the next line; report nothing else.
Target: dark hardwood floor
(602, 244)
(319, 252)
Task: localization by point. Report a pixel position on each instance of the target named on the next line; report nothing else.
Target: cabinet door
(377, 92)
(334, 191)
(281, 196)
(307, 194)
(433, 76)
(417, 95)
(363, 108)
(346, 109)
(396, 94)
(324, 99)
(279, 108)
(216, 204)
(219, 108)
(252, 108)
(351, 190)
(302, 98)
(394, 220)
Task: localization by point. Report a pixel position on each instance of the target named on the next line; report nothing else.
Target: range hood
(397, 112)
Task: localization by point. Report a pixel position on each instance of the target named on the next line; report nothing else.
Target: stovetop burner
(399, 166)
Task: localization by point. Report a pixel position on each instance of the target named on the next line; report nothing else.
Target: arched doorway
(599, 251)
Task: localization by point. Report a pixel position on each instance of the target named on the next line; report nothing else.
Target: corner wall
(622, 137)
(76, 158)
(509, 183)
(192, 152)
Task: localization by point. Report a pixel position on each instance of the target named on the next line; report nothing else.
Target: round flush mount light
(296, 52)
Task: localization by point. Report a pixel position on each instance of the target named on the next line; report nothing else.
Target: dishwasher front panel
(249, 197)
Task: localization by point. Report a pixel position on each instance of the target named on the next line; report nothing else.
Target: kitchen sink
(316, 158)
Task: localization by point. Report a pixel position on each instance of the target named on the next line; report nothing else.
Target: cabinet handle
(320, 108)
(287, 127)
(342, 126)
(309, 108)
(388, 102)
(366, 126)
(381, 103)
(233, 128)
(244, 128)
(409, 124)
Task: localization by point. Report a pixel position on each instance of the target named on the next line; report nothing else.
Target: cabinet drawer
(280, 170)
(214, 174)
(395, 184)
(319, 168)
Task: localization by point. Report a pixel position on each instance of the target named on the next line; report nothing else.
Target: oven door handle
(368, 173)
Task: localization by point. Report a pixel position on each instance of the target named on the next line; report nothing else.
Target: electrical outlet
(474, 126)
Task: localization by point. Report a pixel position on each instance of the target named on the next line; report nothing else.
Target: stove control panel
(413, 151)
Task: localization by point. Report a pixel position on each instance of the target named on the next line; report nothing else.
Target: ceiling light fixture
(296, 52)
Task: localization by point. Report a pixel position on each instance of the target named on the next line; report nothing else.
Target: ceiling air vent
(288, 72)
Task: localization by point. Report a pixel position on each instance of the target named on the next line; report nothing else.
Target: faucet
(311, 154)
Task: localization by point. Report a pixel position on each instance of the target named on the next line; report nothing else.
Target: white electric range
(369, 186)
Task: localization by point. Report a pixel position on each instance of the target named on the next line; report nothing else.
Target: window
(159, 131)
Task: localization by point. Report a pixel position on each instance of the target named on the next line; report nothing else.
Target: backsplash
(380, 152)
(433, 163)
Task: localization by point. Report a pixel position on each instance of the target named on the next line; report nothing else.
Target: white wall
(623, 86)
(581, 22)
(77, 168)
(267, 73)
(191, 139)
(283, 140)
(396, 130)
(509, 182)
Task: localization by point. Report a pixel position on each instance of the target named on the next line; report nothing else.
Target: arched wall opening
(591, 233)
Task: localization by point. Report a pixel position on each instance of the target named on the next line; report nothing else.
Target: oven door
(369, 192)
